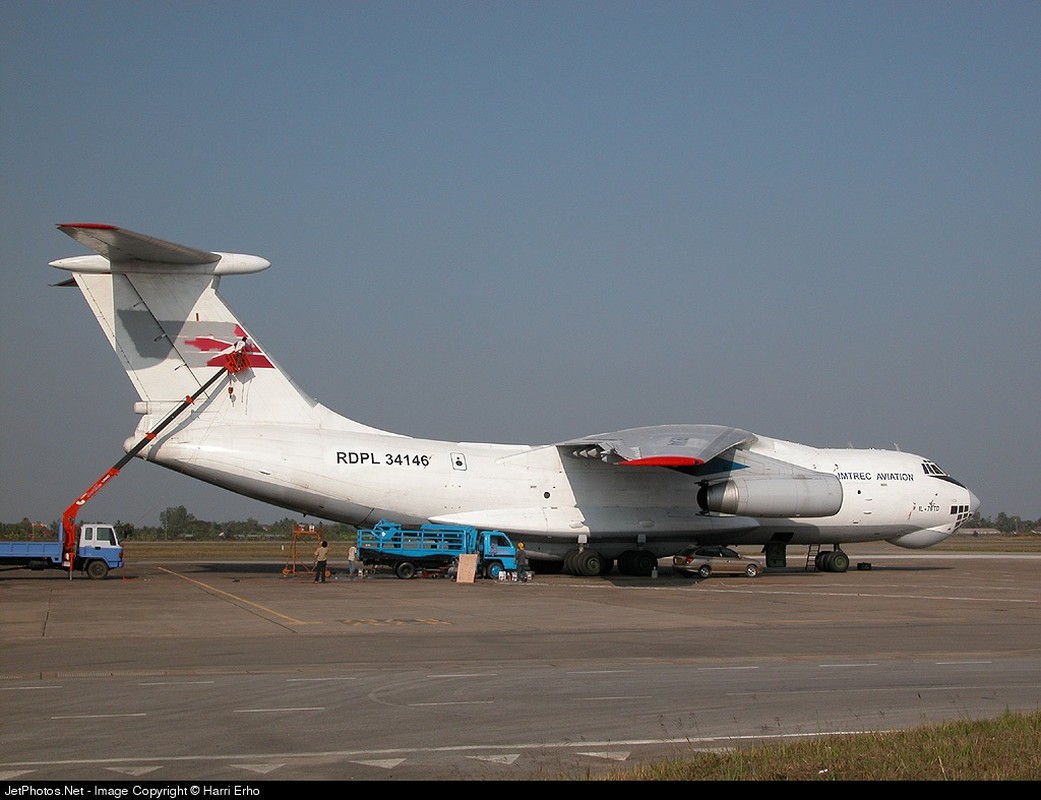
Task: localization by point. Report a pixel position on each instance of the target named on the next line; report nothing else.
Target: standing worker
(354, 566)
(321, 560)
(522, 562)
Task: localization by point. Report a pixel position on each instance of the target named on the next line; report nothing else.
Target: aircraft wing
(659, 445)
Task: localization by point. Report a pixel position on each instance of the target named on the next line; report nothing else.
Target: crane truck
(97, 550)
(435, 548)
(80, 547)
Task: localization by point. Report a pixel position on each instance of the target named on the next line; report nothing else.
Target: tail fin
(158, 304)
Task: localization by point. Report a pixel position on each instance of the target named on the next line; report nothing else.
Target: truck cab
(498, 554)
(98, 549)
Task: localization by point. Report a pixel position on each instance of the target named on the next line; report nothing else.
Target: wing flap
(659, 446)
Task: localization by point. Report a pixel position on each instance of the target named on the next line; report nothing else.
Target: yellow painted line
(236, 598)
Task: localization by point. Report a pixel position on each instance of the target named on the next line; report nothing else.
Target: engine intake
(811, 496)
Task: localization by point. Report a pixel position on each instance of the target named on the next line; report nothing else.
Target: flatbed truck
(409, 551)
(97, 550)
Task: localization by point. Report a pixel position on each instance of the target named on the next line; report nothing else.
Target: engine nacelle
(810, 496)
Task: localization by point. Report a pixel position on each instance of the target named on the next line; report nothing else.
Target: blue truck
(97, 550)
(435, 549)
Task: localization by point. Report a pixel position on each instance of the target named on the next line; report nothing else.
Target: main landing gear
(589, 563)
(831, 561)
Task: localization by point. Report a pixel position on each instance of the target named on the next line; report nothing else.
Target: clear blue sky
(528, 221)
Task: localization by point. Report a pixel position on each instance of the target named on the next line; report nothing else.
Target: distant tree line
(176, 523)
(1005, 523)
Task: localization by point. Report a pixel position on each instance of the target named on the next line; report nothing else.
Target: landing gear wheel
(588, 563)
(570, 560)
(644, 563)
(839, 561)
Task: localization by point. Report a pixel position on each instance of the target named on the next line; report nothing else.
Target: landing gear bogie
(831, 561)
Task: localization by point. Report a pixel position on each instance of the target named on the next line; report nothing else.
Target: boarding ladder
(811, 556)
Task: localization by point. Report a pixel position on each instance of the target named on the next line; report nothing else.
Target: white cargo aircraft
(216, 406)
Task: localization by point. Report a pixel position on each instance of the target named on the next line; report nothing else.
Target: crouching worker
(523, 570)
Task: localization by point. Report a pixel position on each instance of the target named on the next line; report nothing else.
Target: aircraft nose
(974, 502)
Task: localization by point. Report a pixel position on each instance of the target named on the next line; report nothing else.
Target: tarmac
(237, 672)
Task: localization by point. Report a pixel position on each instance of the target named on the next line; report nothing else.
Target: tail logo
(223, 348)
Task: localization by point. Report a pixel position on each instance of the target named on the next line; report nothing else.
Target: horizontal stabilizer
(158, 305)
(123, 251)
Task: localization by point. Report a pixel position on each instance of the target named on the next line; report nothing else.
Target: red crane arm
(236, 361)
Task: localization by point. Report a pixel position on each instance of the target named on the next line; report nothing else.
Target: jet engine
(817, 495)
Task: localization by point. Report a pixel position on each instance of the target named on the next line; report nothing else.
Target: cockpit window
(931, 469)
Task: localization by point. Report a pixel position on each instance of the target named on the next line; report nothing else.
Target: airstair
(811, 556)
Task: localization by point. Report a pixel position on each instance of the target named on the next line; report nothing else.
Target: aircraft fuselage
(552, 502)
